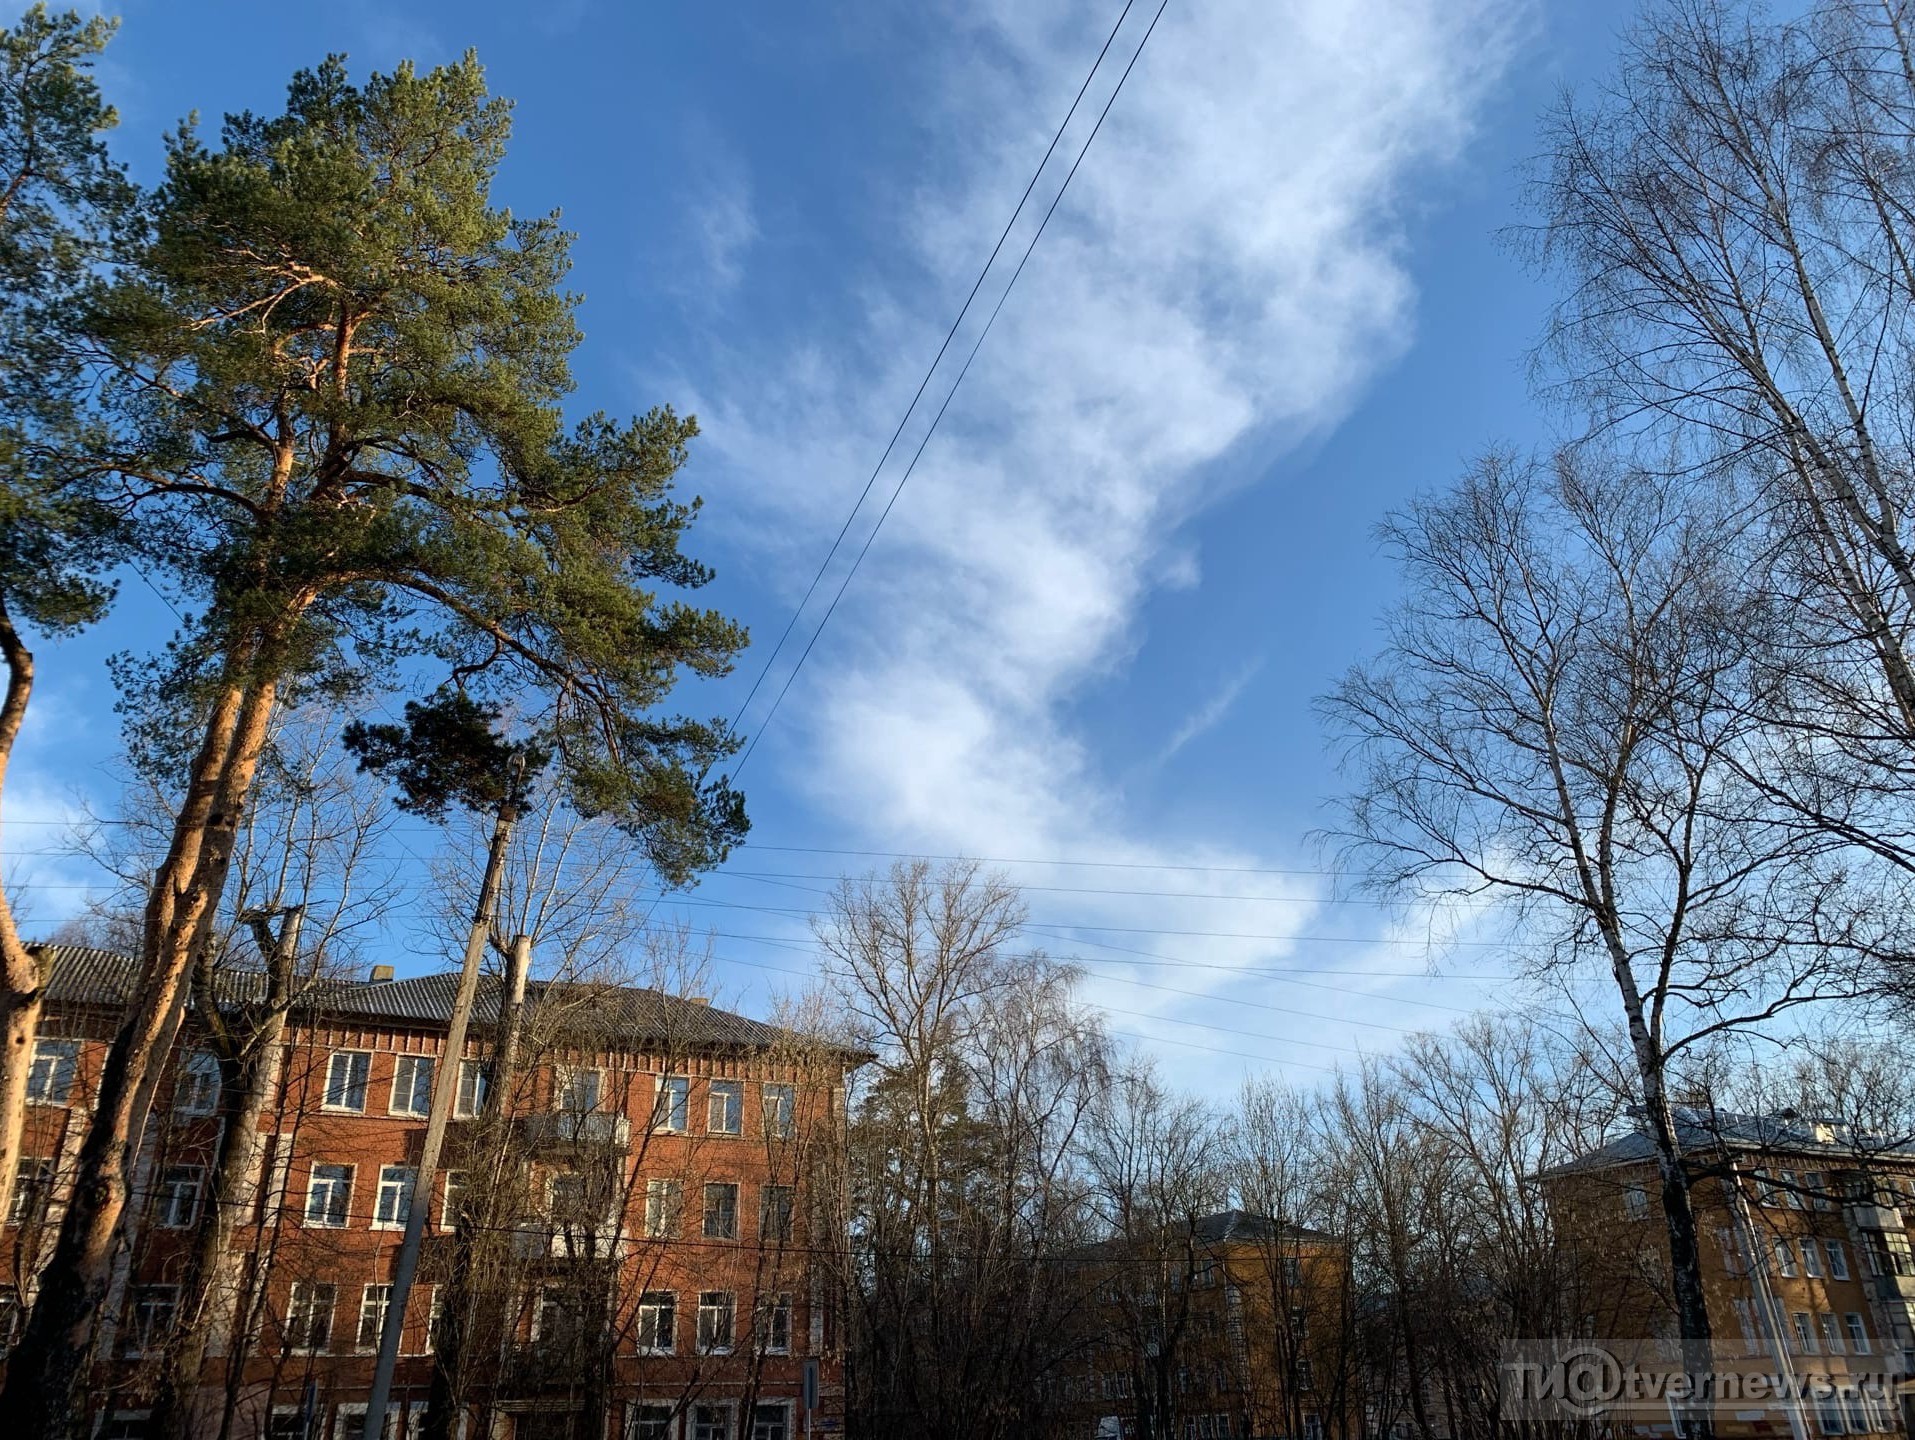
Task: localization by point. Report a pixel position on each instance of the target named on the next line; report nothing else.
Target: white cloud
(1207, 716)
(1224, 278)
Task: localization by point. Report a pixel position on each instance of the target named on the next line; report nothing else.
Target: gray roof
(1226, 1227)
(1701, 1131)
(84, 976)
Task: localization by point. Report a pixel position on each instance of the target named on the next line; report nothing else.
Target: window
(309, 1309)
(1857, 1418)
(454, 1199)
(649, 1422)
(329, 1195)
(1831, 1333)
(717, 1309)
(1635, 1202)
(721, 1211)
(578, 1091)
(1858, 1334)
(1731, 1252)
(412, 1085)
(1791, 1190)
(475, 1083)
(1838, 1259)
(288, 1422)
(657, 1322)
(128, 1425)
(196, 1086)
(664, 1199)
(178, 1196)
(1811, 1259)
(781, 1110)
(1829, 1412)
(346, 1076)
(395, 1197)
(32, 1185)
(711, 1422)
(774, 1325)
(1784, 1258)
(774, 1214)
(563, 1317)
(672, 1109)
(51, 1073)
(150, 1317)
(771, 1422)
(1901, 1258)
(725, 1108)
(373, 1305)
(351, 1422)
(1816, 1182)
(1804, 1334)
(1292, 1270)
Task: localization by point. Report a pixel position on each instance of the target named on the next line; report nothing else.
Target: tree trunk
(249, 1076)
(44, 1373)
(23, 975)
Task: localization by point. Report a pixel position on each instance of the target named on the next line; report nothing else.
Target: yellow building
(1807, 1268)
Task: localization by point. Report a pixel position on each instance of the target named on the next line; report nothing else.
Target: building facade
(630, 1235)
(1228, 1327)
(1807, 1266)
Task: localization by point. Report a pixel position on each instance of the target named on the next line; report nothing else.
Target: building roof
(1226, 1227)
(84, 976)
(1699, 1131)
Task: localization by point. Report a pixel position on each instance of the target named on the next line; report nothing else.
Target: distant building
(1807, 1263)
(1221, 1328)
(663, 1275)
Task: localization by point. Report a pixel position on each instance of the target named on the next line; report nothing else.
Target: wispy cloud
(1223, 281)
(1208, 715)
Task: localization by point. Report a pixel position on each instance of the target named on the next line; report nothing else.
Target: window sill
(388, 1225)
(341, 1110)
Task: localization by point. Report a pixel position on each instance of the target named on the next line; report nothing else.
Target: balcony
(576, 1127)
(1896, 1287)
(548, 1241)
(1870, 1216)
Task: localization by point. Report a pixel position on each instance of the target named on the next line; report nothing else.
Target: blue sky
(1272, 305)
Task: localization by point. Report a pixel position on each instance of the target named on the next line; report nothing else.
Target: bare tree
(960, 1186)
(1562, 719)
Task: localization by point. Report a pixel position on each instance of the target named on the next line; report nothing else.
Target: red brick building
(649, 1220)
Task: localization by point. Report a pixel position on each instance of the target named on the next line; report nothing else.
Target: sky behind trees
(1272, 305)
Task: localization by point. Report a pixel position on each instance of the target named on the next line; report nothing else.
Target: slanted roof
(1700, 1131)
(1226, 1227)
(639, 1015)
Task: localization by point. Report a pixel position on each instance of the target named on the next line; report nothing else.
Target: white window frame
(312, 1183)
(731, 1095)
(1784, 1254)
(400, 1192)
(448, 1194)
(706, 1212)
(790, 1407)
(475, 1088)
(32, 1188)
(669, 1218)
(293, 1307)
(781, 1301)
(360, 1344)
(562, 1090)
(349, 1419)
(61, 1057)
(1838, 1259)
(729, 1408)
(778, 1103)
(766, 1236)
(406, 1067)
(645, 1303)
(364, 1087)
(1811, 1258)
(1831, 1328)
(679, 1087)
(1859, 1341)
(729, 1310)
(196, 1084)
(673, 1419)
(1635, 1201)
(166, 1209)
(133, 1310)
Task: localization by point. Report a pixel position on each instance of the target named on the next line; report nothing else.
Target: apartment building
(647, 1202)
(1228, 1327)
(1806, 1256)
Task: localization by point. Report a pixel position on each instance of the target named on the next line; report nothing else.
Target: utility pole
(445, 1089)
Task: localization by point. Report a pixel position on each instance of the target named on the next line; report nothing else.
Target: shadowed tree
(60, 200)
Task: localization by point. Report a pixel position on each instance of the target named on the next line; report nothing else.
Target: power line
(903, 479)
(923, 385)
